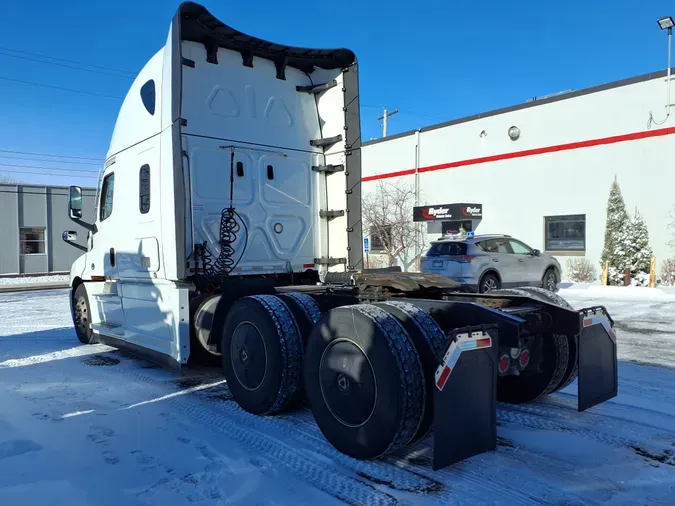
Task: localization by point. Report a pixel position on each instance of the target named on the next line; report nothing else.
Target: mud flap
(598, 367)
(465, 412)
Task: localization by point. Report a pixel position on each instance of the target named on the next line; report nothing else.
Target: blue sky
(434, 60)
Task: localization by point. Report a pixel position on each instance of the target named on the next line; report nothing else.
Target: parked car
(488, 262)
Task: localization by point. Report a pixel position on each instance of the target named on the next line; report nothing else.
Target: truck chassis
(386, 359)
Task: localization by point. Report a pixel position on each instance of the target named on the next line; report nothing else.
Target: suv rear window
(447, 249)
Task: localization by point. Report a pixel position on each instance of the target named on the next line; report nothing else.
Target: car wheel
(489, 283)
(550, 281)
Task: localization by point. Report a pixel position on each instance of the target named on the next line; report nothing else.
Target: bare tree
(388, 218)
(6, 180)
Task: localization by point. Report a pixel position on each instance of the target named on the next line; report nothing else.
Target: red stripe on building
(529, 152)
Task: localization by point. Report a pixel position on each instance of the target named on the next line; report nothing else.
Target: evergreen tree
(617, 248)
(641, 252)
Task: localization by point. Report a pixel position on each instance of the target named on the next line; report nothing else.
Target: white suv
(488, 262)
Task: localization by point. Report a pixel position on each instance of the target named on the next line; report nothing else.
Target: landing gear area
(385, 372)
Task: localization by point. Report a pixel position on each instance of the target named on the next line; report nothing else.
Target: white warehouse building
(542, 170)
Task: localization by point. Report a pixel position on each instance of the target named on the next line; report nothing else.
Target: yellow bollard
(652, 273)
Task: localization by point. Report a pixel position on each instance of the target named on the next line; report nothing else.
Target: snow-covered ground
(88, 425)
(34, 280)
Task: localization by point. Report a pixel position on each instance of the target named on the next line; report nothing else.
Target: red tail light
(467, 258)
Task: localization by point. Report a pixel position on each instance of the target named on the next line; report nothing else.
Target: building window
(32, 241)
(148, 96)
(565, 233)
(380, 237)
(107, 190)
(144, 189)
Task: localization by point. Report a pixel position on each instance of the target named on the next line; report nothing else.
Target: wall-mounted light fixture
(514, 133)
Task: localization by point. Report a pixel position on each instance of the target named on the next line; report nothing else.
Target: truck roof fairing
(197, 24)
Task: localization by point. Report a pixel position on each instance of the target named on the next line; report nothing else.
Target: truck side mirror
(70, 237)
(75, 203)
(536, 252)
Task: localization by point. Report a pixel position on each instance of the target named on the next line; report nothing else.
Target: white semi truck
(228, 230)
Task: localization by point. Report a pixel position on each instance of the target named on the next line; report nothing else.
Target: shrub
(580, 270)
(668, 272)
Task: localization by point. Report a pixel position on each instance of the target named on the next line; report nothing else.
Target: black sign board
(447, 212)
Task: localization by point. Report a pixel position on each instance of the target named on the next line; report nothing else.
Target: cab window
(107, 190)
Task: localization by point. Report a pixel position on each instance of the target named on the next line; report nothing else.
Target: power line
(65, 65)
(44, 173)
(51, 155)
(67, 61)
(59, 88)
(49, 161)
(48, 168)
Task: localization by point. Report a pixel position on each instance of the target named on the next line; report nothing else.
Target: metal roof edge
(548, 100)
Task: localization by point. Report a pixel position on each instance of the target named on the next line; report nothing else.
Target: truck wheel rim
(248, 355)
(550, 281)
(347, 382)
(81, 316)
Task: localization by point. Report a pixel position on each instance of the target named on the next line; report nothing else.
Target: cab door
(102, 257)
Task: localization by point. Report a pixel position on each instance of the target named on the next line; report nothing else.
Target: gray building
(32, 221)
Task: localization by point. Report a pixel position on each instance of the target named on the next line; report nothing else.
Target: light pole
(666, 23)
(384, 117)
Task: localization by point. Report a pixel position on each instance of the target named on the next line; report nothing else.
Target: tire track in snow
(603, 416)
(458, 480)
(79, 351)
(476, 479)
(536, 418)
(231, 421)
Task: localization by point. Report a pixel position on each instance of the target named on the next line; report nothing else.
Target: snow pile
(35, 280)
(626, 293)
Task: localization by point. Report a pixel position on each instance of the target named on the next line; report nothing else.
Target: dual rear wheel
(367, 370)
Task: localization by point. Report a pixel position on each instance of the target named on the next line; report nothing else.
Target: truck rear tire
(199, 354)
(430, 343)
(573, 363)
(364, 381)
(261, 352)
(554, 352)
(81, 313)
(307, 313)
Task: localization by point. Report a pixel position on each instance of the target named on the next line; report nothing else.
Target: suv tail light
(466, 259)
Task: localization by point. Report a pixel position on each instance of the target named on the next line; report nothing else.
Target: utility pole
(384, 117)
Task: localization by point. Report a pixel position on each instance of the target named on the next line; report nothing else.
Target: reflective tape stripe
(464, 342)
(601, 320)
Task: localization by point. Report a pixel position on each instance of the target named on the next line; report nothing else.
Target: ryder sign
(447, 212)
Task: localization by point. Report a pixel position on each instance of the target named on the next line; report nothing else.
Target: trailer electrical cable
(230, 221)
